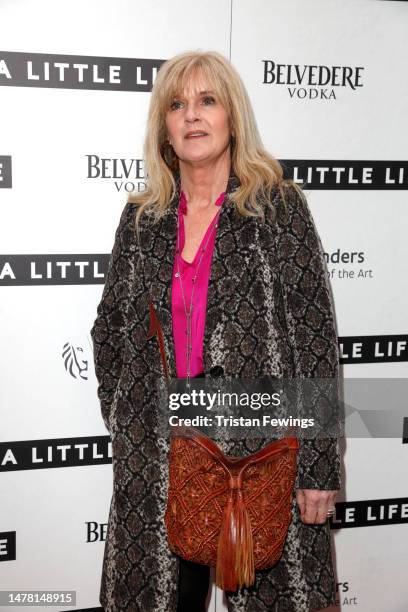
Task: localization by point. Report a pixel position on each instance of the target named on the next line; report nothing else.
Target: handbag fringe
(235, 553)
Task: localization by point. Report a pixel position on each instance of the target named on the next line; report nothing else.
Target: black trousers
(194, 580)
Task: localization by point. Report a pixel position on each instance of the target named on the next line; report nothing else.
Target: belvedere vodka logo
(313, 81)
(126, 174)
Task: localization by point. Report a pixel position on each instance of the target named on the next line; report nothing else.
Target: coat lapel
(158, 270)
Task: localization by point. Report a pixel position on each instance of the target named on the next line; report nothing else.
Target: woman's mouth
(196, 135)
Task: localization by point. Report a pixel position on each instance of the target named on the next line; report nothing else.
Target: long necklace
(188, 311)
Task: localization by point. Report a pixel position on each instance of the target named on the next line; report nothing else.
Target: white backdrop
(59, 205)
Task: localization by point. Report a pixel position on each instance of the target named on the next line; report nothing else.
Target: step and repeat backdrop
(329, 89)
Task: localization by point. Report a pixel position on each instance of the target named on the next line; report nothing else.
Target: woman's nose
(192, 112)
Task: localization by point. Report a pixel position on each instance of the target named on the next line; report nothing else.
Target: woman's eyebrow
(200, 93)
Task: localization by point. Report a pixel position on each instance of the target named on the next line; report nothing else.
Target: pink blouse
(187, 270)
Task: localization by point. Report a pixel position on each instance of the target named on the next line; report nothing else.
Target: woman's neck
(203, 185)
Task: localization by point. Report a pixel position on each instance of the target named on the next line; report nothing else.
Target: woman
(264, 298)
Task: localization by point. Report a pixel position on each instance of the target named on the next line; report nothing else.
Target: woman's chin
(199, 156)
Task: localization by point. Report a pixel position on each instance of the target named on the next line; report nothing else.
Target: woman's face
(197, 109)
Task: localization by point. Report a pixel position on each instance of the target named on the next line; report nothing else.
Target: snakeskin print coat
(269, 310)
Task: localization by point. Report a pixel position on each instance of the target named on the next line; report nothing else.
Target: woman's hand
(314, 504)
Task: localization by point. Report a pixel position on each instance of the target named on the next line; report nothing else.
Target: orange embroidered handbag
(229, 512)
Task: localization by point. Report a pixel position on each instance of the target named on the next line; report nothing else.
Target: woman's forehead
(194, 88)
(195, 83)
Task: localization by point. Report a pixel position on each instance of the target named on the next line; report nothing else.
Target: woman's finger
(301, 502)
(314, 505)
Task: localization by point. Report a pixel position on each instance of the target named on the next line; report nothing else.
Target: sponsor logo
(341, 258)
(348, 174)
(84, 269)
(344, 257)
(74, 364)
(126, 174)
(373, 349)
(95, 532)
(343, 595)
(55, 453)
(8, 546)
(312, 81)
(370, 513)
(52, 70)
(5, 172)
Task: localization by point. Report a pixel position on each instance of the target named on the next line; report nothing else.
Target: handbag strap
(155, 328)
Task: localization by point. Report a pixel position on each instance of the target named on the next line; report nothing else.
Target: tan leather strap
(155, 328)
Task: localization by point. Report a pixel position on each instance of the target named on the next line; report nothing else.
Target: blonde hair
(257, 170)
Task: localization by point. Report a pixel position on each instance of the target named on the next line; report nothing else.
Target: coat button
(216, 371)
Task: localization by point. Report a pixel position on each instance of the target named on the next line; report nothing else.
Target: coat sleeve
(108, 329)
(312, 332)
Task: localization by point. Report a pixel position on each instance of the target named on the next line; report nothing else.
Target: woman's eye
(174, 104)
